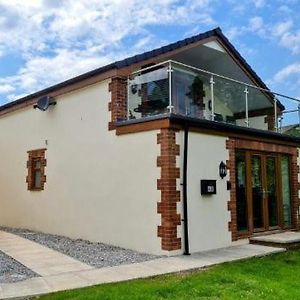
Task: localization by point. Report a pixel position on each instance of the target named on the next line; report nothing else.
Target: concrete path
(38, 258)
(78, 279)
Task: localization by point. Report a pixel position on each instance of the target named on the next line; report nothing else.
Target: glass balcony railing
(149, 93)
(173, 87)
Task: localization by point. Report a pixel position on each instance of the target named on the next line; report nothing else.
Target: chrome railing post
(170, 70)
(212, 97)
(275, 115)
(246, 91)
(299, 114)
(280, 119)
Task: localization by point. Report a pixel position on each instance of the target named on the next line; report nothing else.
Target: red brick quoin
(167, 184)
(232, 207)
(118, 104)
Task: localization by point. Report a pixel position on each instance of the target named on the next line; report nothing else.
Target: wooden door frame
(233, 144)
(265, 197)
(265, 200)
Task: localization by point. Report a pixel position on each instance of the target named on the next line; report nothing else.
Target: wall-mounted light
(134, 89)
(222, 170)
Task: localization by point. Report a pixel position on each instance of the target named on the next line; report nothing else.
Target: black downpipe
(184, 184)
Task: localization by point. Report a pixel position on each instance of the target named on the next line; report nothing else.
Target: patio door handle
(265, 193)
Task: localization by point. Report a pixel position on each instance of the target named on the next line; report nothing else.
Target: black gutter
(184, 186)
(215, 126)
(230, 128)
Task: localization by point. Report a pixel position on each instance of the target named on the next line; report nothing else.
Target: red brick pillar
(167, 184)
(118, 104)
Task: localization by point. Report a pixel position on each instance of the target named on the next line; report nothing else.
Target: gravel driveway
(98, 255)
(13, 271)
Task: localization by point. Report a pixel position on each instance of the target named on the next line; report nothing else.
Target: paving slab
(83, 278)
(38, 258)
(31, 287)
(279, 238)
(66, 281)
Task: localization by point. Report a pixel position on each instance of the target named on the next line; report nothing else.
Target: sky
(44, 42)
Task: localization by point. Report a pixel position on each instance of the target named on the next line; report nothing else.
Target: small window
(36, 173)
(36, 170)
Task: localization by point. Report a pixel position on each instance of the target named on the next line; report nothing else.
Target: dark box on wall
(208, 187)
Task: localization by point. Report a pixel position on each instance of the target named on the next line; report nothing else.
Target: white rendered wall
(254, 122)
(208, 215)
(99, 187)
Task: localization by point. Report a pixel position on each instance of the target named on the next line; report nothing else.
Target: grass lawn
(271, 277)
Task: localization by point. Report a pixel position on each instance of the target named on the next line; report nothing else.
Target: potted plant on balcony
(197, 92)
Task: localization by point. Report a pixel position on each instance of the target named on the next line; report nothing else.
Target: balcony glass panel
(229, 102)
(261, 107)
(191, 93)
(259, 100)
(148, 93)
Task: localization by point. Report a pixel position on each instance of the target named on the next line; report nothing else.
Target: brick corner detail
(118, 102)
(167, 184)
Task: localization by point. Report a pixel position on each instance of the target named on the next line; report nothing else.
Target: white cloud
(233, 32)
(40, 72)
(285, 9)
(287, 82)
(61, 39)
(34, 25)
(281, 28)
(6, 88)
(283, 32)
(259, 3)
(256, 24)
(291, 40)
(288, 71)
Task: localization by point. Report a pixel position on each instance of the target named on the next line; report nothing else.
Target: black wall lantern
(222, 170)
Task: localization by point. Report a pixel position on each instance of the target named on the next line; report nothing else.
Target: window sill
(36, 190)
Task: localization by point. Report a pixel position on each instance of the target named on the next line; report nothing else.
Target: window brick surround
(232, 145)
(33, 154)
(118, 103)
(167, 184)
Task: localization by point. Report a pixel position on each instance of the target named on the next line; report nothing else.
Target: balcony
(174, 87)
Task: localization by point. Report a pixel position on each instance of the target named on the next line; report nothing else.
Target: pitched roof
(217, 32)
